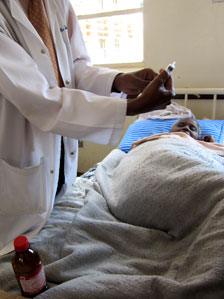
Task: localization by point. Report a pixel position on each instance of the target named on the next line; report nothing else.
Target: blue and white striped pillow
(144, 128)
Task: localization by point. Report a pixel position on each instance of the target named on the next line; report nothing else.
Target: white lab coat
(34, 112)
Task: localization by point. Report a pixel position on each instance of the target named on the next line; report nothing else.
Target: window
(112, 30)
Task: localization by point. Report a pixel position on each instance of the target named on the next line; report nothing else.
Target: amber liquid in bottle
(28, 268)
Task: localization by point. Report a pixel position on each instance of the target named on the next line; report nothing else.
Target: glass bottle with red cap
(28, 268)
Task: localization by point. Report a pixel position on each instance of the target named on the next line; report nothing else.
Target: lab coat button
(72, 153)
(43, 51)
(63, 28)
(52, 171)
(67, 82)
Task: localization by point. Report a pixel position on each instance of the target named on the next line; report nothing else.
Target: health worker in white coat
(35, 111)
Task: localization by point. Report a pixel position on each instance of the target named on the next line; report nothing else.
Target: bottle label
(33, 284)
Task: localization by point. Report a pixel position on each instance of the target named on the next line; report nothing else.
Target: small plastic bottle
(28, 268)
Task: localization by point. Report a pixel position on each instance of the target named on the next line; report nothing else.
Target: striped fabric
(144, 128)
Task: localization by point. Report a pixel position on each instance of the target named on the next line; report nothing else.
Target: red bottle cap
(21, 243)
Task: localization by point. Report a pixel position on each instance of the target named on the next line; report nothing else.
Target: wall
(191, 32)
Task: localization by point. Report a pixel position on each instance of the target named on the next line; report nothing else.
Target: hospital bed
(88, 252)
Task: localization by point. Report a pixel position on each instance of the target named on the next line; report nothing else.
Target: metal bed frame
(212, 98)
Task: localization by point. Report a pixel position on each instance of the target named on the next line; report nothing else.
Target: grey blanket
(88, 253)
(170, 184)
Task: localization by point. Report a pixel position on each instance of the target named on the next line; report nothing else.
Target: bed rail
(204, 102)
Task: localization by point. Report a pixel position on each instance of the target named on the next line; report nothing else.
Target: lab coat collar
(51, 12)
(18, 14)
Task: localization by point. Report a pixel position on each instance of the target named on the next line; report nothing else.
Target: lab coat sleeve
(87, 77)
(69, 112)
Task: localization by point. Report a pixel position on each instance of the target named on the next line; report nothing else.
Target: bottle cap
(21, 243)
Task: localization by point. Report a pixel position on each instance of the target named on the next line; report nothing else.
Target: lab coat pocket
(22, 190)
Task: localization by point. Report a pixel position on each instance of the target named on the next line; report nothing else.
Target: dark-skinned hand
(156, 95)
(208, 138)
(133, 83)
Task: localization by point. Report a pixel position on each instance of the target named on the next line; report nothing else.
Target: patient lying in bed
(190, 127)
(170, 183)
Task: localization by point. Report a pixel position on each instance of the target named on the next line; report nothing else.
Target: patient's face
(188, 126)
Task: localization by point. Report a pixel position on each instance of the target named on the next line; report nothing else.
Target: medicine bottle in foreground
(28, 268)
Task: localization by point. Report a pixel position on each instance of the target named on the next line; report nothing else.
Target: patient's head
(187, 125)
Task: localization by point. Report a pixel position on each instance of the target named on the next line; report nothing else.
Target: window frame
(128, 65)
